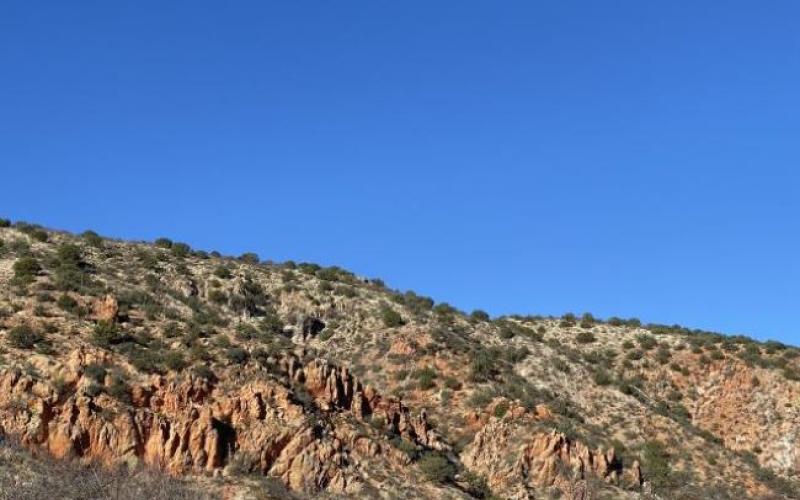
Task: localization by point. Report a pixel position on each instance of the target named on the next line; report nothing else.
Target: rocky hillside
(161, 364)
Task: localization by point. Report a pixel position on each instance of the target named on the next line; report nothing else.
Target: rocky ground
(155, 364)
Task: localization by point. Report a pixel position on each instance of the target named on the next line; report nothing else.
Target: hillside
(250, 379)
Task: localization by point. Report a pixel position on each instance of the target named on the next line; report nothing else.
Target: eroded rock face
(189, 426)
(106, 309)
(517, 462)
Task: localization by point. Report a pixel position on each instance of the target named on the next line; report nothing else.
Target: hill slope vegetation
(158, 364)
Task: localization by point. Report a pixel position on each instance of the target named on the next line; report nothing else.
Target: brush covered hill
(248, 379)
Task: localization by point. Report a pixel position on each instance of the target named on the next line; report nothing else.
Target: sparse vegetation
(24, 337)
(226, 324)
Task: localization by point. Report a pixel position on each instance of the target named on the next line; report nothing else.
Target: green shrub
(203, 371)
(444, 310)
(271, 323)
(407, 447)
(93, 390)
(180, 250)
(480, 399)
(163, 243)
(5, 223)
(501, 409)
(587, 320)
(70, 268)
(478, 315)
(568, 320)
(250, 299)
(24, 337)
(635, 355)
(646, 342)
(174, 361)
(26, 268)
(452, 383)
(67, 303)
(95, 372)
(146, 360)
(656, 464)
(39, 235)
(585, 337)
(107, 334)
(93, 239)
(237, 355)
(249, 258)
(602, 377)
(222, 272)
(663, 354)
(391, 318)
(477, 486)
(425, 378)
(118, 389)
(483, 365)
(436, 468)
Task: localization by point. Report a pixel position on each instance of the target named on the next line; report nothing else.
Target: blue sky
(626, 158)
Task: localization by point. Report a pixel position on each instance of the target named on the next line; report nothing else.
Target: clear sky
(626, 158)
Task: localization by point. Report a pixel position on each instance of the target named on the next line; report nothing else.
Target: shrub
(483, 365)
(250, 299)
(452, 383)
(615, 321)
(477, 486)
(106, 334)
(119, 389)
(425, 377)
(655, 462)
(646, 342)
(95, 372)
(237, 355)
(587, 320)
(249, 258)
(5, 223)
(602, 377)
(39, 235)
(716, 354)
(436, 468)
(69, 273)
(501, 409)
(635, 355)
(222, 272)
(146, 360)
(163, 243)
(203, 371)
(26, 268)
(391, 318)
(174, 361)
(67, 303)
(568, 320)
(180, 250)
(585, 337)
(480, 399)
(93, 239)
(407, 447)
(93, 390)
(478, 315)
(24, 337)
(663, 354)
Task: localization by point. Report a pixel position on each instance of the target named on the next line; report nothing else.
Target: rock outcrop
(106, 309)
(517, 463)
(186, 425)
